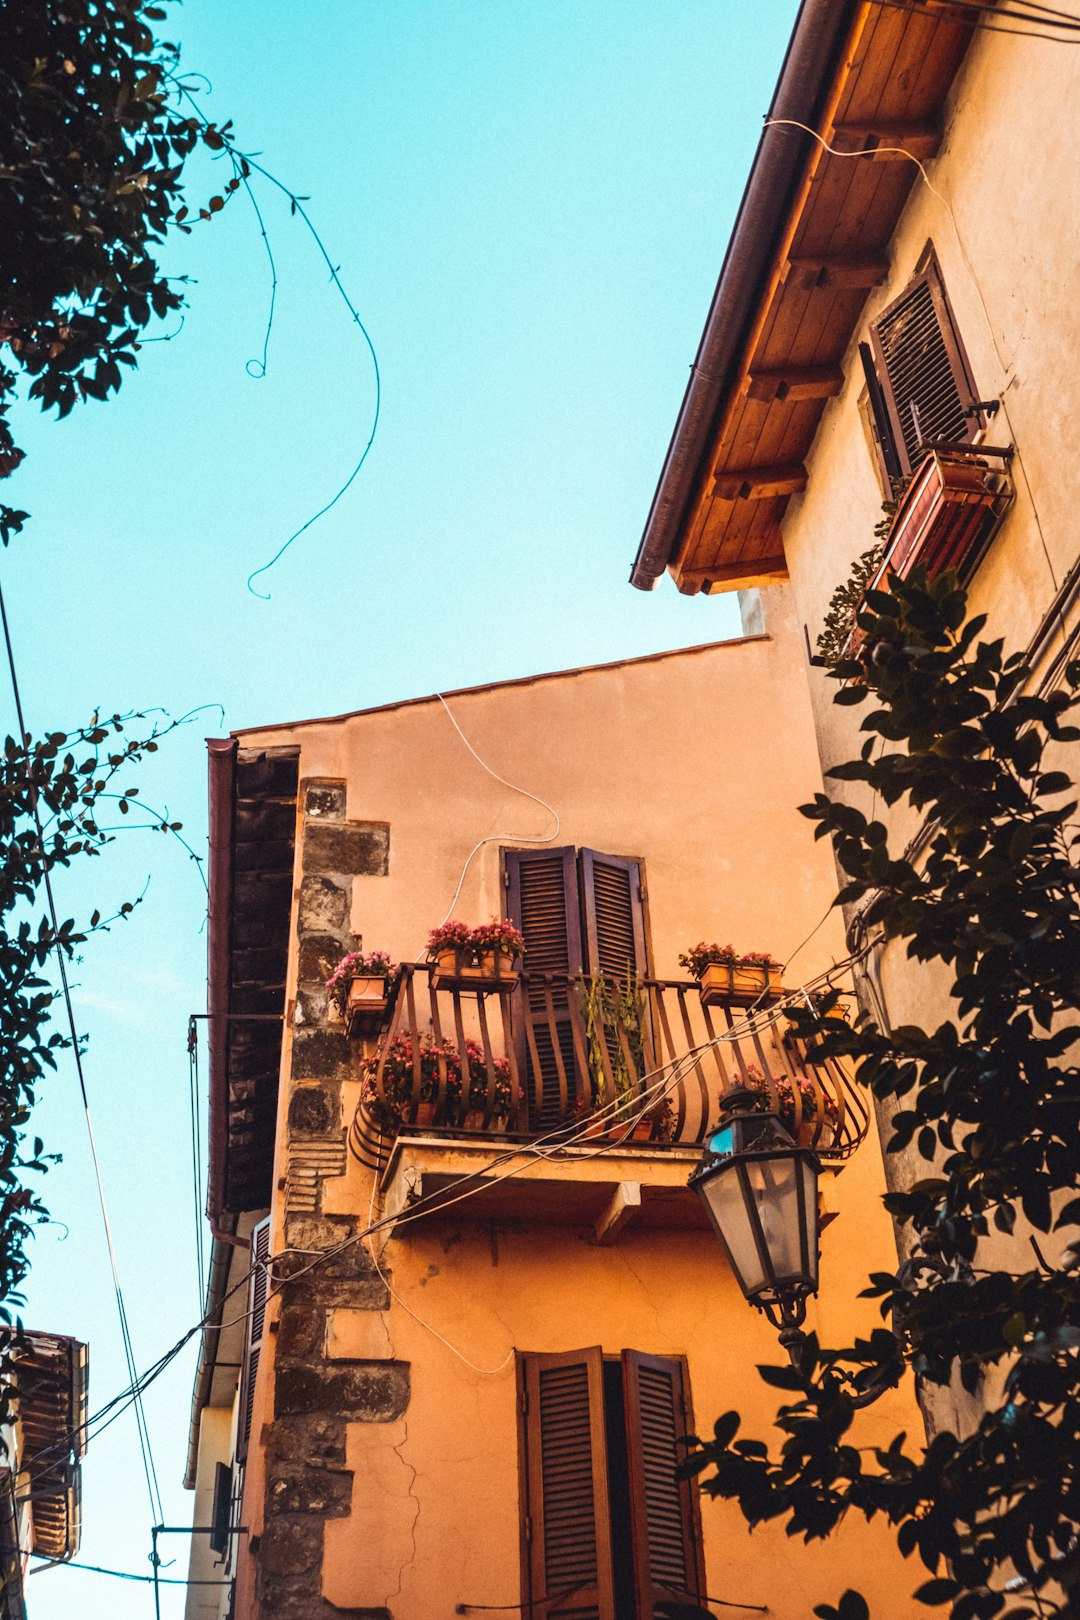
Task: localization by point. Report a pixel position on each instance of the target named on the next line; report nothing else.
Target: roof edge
(809, 65)
(242, 732)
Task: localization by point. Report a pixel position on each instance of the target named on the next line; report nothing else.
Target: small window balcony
(630, 1067)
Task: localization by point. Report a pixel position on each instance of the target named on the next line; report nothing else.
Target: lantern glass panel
(726, 1203)
(776, 1203)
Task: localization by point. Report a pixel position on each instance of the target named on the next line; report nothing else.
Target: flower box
(365, 1005)
(463, 969)
(739, 984)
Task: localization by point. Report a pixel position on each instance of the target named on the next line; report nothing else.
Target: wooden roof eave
(828, 241)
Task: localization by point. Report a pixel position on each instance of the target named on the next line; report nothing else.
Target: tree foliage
(50, 794)
(990, 1100)
(92, 153)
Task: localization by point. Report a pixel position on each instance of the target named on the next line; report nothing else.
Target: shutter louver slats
(258, 1293)
(922, 369)
(666, 1545)
(543, 902)
(570, 1573)
(614, 920)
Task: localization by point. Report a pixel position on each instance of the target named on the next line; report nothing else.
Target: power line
(548, 1145)
(145, 1449)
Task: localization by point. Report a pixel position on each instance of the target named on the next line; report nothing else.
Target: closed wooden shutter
(258, 1290)
(922, 369)
(614, 918)
(542, 899)
(566, 1527)
(663, 1508)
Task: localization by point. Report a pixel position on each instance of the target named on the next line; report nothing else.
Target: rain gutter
(809, 72)
(216, 1290)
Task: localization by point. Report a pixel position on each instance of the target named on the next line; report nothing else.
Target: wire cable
(495, 838)
(145, 1448)
(550, 1144)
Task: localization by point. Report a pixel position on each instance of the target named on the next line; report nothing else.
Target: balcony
(588, 1065)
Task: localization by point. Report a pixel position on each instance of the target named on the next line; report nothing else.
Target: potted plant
(389, 1105)
(359, 988)
(812, 1105)
(474, 1108)
(726, 975)
(499, 947)
(483, 958)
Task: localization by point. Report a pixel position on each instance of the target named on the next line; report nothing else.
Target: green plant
(701, 956)
(355, 964)
(835, 637)
(610, 1005)
(989, 1100)
(389, 1104)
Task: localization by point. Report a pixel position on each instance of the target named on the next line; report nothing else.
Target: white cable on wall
(496, 838)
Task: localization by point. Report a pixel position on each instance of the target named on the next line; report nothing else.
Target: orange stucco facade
(384, 1474)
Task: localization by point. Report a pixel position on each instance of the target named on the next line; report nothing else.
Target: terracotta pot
(739, 984)
(425, 1113)
(459, 970)
(474, 1120)
(366, 1003)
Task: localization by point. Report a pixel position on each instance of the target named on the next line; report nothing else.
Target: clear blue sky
(529, 202)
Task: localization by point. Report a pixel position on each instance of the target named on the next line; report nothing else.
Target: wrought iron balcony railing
(639, 1060)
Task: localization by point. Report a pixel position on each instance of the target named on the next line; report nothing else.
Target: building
(479, 1320)
(888, 339)
(40, 1462)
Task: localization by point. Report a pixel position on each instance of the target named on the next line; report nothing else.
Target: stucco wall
(1002, 217)
(390, 1458)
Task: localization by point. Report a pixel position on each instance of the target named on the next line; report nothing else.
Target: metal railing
(590, 1055)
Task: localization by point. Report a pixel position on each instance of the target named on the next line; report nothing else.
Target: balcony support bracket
(624, 1204)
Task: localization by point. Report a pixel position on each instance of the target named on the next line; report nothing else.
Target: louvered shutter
(258, 1289)
(663, 1508)
(923, 372)
(542, 899)
(614, 918)
(567, 1518)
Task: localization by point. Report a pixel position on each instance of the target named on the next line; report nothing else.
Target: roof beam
(794, 383)
(759, 483)
(887, 143)
(737, 575)
(860, 270)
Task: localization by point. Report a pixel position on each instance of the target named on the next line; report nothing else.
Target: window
(580, 912)
(221, 1514)
(608, 1529)
(919, 385)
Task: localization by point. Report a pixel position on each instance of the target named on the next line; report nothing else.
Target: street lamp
(760, 1190)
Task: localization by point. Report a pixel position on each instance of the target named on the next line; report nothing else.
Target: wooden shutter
(614, 918)
(663, 1508)
(923, 370)
(542, 899)
(566, 1525)
(258, 1289)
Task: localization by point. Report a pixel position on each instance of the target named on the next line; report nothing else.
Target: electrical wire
(495, 838)
(1005, 365)
(557, 1140)
(120, 1574)
(196, 1159)
(145, 1448)
(919, 8)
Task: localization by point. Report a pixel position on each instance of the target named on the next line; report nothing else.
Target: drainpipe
(217, 1287)
(221, 763)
